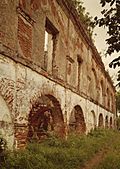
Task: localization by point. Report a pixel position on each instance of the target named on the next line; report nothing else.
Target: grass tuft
(59, 153)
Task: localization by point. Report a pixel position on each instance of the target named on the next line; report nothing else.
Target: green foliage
(84, 16)
(59, 153)
(112, 158)
(112, 161)
(111, 20)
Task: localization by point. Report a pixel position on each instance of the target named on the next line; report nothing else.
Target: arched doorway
(100, 121)
(106, 122)
(45, 117)
(111, 122)
(6, 124)
(76, 121)
(93, 120)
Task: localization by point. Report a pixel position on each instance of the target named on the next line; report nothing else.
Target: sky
(94, 8)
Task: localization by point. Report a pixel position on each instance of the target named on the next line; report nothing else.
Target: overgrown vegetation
(111, 20)
(112, 158)
(3, 147)
(85, 17)
(59, 153)
(2, 144)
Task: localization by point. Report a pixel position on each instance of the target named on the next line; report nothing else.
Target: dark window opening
(49, 46)
(69, 68)
(106, 122)
(100, 121)
(79, 60)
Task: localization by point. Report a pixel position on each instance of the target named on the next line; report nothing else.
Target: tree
(111, 20)
(84, 16)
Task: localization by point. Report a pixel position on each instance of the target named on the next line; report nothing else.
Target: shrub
(112, 158)
(59, 153)
(112, 161)
(3, 147)
(3, 144)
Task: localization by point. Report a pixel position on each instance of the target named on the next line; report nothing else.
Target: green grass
(56, 153)
(112, 158)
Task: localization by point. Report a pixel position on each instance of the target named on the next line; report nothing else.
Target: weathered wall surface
(6, 123)
(73, 81)
(28, 87)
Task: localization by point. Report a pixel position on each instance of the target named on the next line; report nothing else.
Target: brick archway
(100, 121)
(45, 117)
(76, 121)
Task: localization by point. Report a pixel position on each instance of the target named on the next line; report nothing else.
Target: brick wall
(25, 37)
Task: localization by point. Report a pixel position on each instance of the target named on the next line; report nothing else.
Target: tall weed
(59, 153)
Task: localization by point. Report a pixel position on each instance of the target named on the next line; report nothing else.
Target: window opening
(79, 60)
(49, 46)
(69, 68)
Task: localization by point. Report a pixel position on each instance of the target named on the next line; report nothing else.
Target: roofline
(73, 13)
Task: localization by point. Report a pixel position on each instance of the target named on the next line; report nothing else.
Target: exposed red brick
(38, 116)
(22, 3)
(21, 135)
(35, 4)
(2, 35)
(25, 37)
(44, 2)
(7, 91)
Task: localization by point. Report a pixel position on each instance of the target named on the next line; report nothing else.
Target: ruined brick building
(52, 78)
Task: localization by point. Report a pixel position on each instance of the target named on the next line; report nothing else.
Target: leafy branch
(84, 16)
(111, 20)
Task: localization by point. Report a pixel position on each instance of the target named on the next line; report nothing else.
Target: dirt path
(96, 159)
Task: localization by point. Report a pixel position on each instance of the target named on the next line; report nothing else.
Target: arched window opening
(76, 121)
(100, 121)
(106, 122)
(93, 120)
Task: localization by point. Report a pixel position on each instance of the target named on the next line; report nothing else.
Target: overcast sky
(94, 8)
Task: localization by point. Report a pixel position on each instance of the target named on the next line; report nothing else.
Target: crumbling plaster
(29, 86)
(22, 78)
